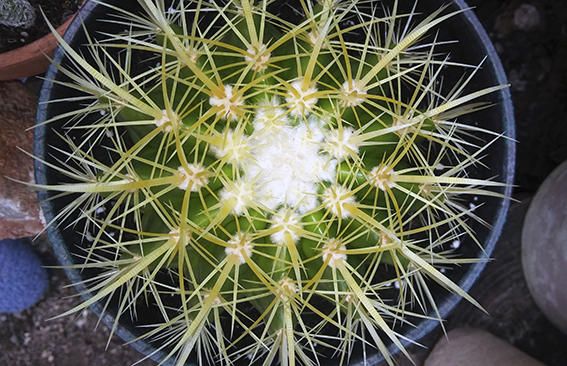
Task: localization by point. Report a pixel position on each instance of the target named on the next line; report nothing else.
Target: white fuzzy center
(287, 165)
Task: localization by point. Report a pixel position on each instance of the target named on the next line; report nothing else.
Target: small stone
(47, 355)
(27, 338)
(518, 81)
(14, 340)
(526, 17)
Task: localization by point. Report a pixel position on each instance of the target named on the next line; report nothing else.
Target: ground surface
(531, 37)
(31, 339)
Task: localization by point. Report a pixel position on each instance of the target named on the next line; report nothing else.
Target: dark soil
(531, 38)
(56, 11)
(511, 313)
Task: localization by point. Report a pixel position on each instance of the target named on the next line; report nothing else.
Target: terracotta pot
(31, 59)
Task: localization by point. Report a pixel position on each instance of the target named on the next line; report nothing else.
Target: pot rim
(426, 326)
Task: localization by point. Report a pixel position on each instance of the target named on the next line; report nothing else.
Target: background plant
(275, 187)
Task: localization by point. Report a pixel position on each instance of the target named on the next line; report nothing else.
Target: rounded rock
(526, 17)
(544, 247)
(473, 347)
(23, 280)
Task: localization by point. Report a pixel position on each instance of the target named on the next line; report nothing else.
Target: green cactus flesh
(288, 165)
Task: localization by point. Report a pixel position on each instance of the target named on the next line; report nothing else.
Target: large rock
(544, 248)
(19, 211)
(475, 347)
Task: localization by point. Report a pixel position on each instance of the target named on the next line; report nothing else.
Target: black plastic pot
(473, 46)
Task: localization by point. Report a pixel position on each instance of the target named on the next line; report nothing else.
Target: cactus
(274, 187)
